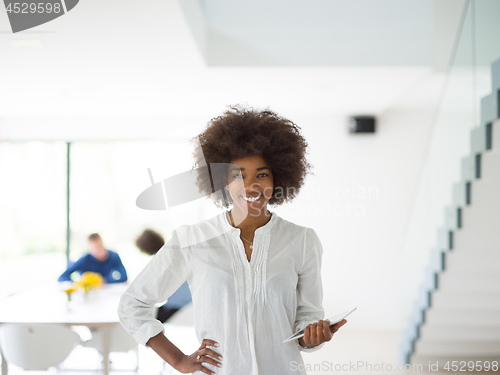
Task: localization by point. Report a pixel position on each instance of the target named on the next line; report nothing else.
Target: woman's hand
(193, 362)
(319, 332)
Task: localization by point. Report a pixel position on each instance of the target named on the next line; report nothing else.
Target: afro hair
(245, 131)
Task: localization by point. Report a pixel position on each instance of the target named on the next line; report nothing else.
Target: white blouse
(249, 308)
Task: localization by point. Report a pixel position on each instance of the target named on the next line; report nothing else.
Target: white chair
(120, 341)
(37, 347)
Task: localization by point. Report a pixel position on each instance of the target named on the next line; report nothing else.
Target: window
(32, 213)
(105, 180)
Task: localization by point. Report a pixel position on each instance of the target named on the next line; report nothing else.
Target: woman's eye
(259, 175)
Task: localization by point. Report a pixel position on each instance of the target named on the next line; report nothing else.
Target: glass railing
(443, 182)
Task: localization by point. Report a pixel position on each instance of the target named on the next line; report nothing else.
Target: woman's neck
(248, 221)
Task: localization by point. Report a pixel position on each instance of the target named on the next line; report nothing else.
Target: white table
(48, 304)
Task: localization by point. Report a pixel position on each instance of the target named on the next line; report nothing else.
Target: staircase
(457, 316)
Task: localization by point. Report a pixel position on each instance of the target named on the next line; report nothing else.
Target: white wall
(362, 235)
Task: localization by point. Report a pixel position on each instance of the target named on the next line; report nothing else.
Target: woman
(255, 277)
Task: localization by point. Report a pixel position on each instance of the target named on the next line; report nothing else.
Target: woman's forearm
(166, 350)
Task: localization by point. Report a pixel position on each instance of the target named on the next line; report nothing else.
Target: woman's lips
(252, 199)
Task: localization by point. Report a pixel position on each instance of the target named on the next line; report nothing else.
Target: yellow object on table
(89, 281)
(69, 291)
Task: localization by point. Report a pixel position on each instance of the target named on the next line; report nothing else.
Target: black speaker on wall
(362, 124)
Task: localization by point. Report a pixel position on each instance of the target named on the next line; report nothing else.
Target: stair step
(458, 348)
(473, 242)
(449, 281)
(430, 332)
(459, 194)
(443, 317)
(490, 163)
(467, 168)
(485, 190)
(479, 139)
(465, 300)
(459, 261)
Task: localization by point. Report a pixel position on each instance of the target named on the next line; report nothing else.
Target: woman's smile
(252, 198)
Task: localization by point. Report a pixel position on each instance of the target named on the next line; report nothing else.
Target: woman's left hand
(319, 332)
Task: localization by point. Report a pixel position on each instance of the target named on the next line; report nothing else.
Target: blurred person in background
(99, 260)
(150, 242)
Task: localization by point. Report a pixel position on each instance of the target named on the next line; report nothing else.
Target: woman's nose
(251, 184)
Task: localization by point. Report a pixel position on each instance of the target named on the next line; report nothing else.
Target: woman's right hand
(193, 362)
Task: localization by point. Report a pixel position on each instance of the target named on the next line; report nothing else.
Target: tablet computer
(333, 320)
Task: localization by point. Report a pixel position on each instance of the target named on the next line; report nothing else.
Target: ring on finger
(198, 358)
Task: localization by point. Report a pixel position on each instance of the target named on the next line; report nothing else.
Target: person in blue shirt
(150, 242)
(100, 260)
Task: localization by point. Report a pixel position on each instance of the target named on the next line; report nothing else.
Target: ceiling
(314, 32)
(113, 65)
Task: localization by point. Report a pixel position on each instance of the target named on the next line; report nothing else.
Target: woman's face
(250, 183)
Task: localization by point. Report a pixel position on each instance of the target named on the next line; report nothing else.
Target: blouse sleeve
(310, 288)
(163, 275)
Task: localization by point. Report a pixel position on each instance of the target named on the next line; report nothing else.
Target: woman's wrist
(166, 350)
(177, 361)
(303, 344)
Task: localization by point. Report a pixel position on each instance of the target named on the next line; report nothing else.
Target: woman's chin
(252, 207)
